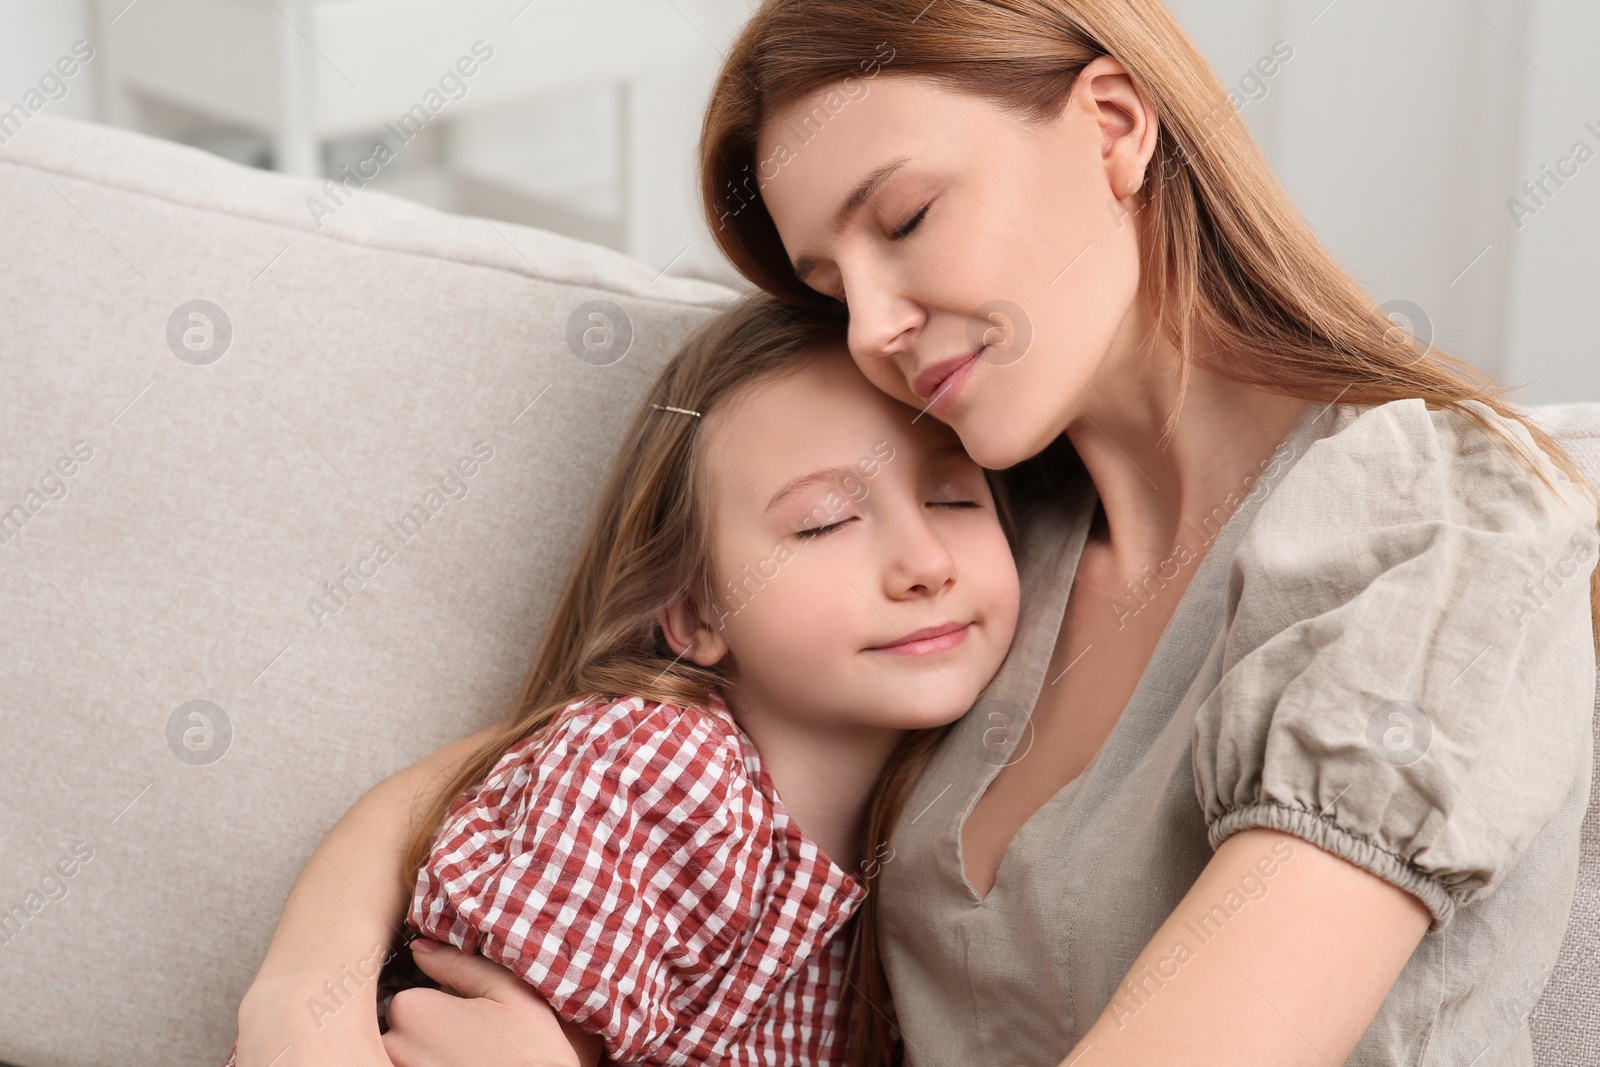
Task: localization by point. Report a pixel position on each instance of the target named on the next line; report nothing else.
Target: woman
(1295, 774)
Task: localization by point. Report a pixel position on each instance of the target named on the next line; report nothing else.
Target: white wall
(1555, 280)
(1401, 130)
(33, 35)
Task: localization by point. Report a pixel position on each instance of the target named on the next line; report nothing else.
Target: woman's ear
(689, 634)
(1107, 97)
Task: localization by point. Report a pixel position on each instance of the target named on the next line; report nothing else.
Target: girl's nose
(918, 560)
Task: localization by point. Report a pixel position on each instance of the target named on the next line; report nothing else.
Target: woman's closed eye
(900, 234)
(910, 224)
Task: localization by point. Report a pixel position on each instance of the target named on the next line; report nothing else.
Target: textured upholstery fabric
(370, 363)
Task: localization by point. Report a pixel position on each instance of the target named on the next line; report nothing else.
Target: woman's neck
(824, 773)
(1154, 496)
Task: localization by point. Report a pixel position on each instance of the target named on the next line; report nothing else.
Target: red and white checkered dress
(635, 865)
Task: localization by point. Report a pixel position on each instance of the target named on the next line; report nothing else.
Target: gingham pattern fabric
(635, 865)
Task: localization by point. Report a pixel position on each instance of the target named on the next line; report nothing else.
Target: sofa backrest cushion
(254, 561)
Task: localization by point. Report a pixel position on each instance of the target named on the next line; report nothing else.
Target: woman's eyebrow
(858, 196)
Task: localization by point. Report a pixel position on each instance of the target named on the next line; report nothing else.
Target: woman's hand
(486, 1016)
(343, 913)
(277, 1027)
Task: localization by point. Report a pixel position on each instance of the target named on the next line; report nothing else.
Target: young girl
(790, 584)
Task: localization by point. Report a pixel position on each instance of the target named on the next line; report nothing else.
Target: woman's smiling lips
(927, 382)
(944, 380)
(927, 641)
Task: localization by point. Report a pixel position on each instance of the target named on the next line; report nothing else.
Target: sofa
(286, 498)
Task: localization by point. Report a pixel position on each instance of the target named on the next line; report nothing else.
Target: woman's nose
(882, 320)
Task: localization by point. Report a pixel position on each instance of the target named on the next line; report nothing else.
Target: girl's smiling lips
(926, 641)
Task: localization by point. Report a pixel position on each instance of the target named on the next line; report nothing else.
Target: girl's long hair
(647, 543)
(1224, 254)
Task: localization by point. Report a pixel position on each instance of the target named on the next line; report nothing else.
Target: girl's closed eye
(823, 531)
(959, 489)
(819, 531)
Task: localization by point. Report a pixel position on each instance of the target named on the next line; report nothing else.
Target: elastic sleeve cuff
(1331, 837)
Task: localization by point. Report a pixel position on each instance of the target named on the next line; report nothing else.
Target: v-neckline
(1063, 572)
(1060, 588)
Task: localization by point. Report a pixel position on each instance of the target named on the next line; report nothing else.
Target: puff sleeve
(1408, 671)
(611, 866)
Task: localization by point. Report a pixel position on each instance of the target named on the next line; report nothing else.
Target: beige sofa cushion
(400, 376)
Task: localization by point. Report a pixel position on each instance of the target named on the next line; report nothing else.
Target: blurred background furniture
(575, 117)
(1484, 104)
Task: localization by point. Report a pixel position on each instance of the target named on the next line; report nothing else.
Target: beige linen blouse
(1387, 651)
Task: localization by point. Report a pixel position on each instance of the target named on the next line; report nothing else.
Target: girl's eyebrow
(858, 196)
(844, 471)
(826, 476)
(942, 455)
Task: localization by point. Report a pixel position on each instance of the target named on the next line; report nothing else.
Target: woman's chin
(994, 451)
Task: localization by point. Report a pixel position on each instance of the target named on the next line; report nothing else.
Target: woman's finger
(437, 1030)
(469, 975)
(405, 1051)
(496, 1015)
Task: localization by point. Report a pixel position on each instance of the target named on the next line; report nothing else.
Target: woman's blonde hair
(1224, 253)
(648, 543)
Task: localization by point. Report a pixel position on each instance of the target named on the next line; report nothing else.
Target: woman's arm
(1290, 979)
(315, 993)
(487, 1017)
